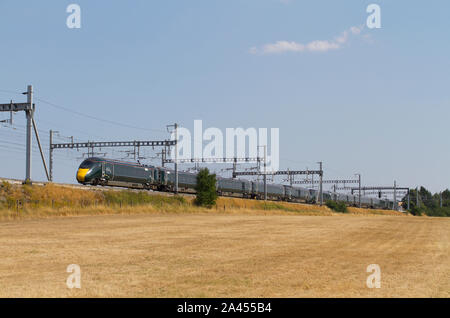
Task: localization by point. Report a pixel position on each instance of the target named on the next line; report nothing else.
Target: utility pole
(29, 115)
(440, 199)
(40, 147)
(175, 162)
(50, 156)
(265, 169)
(417, 197)
(175, 126)
(359, 188)
(290, 178)
(28, 108)
(265, 172)
(163, 157)
(320, 182)
(176, 158)
(88, 150)
(50, 159)
(395, 196)
(409, 198)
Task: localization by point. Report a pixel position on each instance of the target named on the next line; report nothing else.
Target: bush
(423, 210)
(417, 211)
(6, 186)
(441, 212)
(206, 189)
(336, 206)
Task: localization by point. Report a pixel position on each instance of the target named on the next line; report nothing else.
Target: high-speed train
(108, 172)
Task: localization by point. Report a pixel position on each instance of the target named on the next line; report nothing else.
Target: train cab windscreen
(87, 164)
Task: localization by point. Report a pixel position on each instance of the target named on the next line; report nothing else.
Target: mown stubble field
(185, 255)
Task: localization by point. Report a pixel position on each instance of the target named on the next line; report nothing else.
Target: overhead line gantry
(104, 144)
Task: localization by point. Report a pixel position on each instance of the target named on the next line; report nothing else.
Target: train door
(162, 177)
(155, 176)
(108, 171)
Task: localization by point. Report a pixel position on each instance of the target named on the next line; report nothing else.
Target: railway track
(92, 187)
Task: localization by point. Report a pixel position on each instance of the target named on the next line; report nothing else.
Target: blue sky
(378, 104)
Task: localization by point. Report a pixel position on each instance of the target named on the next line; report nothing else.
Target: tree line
(423, 202)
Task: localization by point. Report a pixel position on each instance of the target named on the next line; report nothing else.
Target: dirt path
(226, 256)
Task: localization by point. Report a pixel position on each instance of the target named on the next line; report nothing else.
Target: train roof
(137, 164)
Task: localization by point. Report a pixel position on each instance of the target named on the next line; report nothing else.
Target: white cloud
(281, 46)
(322, 46)
(313, 46)
(356, 30)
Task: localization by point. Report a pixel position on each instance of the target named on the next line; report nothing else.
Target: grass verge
(27, 201)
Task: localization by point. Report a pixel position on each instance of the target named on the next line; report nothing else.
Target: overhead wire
(96, 118)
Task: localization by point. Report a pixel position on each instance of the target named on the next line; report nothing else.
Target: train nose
(81, 174)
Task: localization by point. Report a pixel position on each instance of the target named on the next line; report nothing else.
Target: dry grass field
(232, 255)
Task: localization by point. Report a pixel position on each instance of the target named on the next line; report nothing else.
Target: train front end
(89, 171)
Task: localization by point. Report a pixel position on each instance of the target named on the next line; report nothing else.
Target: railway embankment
(43, 200)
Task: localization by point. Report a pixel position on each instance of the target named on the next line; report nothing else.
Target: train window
(120, 170)
(137, 173)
